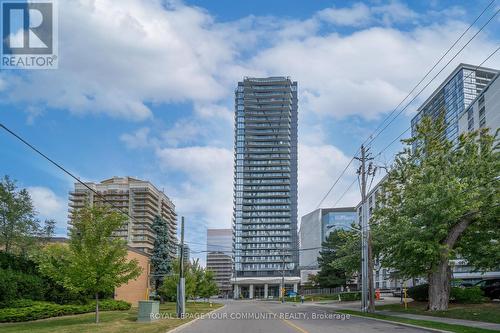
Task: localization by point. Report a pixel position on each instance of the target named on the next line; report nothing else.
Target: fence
(326, 291)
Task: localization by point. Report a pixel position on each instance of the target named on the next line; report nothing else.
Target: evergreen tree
(160, 259)
(339, 258)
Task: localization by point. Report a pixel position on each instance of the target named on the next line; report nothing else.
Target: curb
(402, 324)
(178, 328)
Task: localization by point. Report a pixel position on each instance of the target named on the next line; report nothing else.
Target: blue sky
(150, 92)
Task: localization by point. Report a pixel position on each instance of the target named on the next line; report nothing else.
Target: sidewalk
(335, 305)
(470, 323)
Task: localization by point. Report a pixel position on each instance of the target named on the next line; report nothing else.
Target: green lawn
(111, 321)
(421, 323)
(489, 312)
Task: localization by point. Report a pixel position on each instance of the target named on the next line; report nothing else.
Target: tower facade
(454, 96)
(265, 241)
(140, 199)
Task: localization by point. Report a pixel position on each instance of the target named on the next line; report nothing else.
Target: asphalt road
(266, 317)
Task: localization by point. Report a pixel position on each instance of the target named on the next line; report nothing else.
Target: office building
(265, 187)
(453, 96)
(219, 258)
(314, 229)
(383, 277)
(186, 253)
(484, 111)
(140, 199)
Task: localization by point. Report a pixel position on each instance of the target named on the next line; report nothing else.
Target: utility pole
(282, 276)
(367, 292)
(181, 299)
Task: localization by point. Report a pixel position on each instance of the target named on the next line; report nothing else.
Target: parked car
(490, 287)
(396, 292)
(462, 283)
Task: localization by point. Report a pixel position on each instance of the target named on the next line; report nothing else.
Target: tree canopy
(160, 258)
(199, 282)
(20, 229)
(93, 261)
(440, 202)
(339, 259)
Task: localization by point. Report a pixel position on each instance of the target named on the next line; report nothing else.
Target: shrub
(471, 295)
(419, 293)
(41, 310)
(20, 279)
(350, 296)
(17, 285)
(17, 263)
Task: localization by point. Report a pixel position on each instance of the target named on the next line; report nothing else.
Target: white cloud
(366, 73)
(49, 206)
(359, 14)
(207, 189)
(148, 53)
(138, 139)
(154, 52)
(319, 166)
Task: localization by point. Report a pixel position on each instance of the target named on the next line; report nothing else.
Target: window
(482, 122)
(482, 111)
(471, 124)
(470, 113)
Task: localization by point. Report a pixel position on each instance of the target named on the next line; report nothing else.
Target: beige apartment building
(139, 199)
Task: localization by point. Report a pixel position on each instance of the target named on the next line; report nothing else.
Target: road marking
(289, 323)
(300, 329)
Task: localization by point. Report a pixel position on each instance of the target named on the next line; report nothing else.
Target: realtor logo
(29, 34)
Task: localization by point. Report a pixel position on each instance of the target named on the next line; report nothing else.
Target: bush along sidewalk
(26, 310)
(343, 297)
(472, 295)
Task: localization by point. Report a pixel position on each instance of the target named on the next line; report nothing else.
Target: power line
(336, 181)
(59, 166)
(428, 72)
(468, 75)
(370, 137)
(436, 75)
(345, 192)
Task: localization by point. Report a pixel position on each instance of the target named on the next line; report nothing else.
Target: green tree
(441, 201)
(198, 282)
(19, 227)
(208, 287)
(93, 261)
(160, 258)
(339, 259)
(169, 287)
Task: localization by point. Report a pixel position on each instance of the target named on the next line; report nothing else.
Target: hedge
(20, 279)
(26, 310)
(18, 285)
(350, 296)
(472, 295)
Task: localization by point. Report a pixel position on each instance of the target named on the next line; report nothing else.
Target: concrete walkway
(393, 300)
(470, 323)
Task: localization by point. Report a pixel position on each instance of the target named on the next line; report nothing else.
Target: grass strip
(422, 323)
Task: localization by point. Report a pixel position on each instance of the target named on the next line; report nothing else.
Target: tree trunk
(96, 308)
(440, 277)
(371, 290)
(439, 286)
